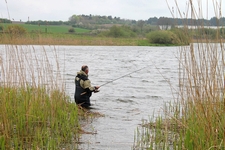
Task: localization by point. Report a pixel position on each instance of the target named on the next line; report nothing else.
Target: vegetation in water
(196, 118)
(35, 112)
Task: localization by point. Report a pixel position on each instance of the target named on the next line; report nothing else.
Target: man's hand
(96, 89)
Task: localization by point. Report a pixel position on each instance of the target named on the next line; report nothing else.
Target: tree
(152, 21)
(74, 19)
(140, 24)
(165, 23)
(110, 17)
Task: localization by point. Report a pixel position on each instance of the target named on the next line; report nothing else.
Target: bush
(163, 37)
(116, 32)
(183, 36)
(16, 30)
(71, 30)
(1, 28)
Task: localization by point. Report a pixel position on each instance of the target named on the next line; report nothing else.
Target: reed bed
(196, 118)
(67, 39)
(35, 112)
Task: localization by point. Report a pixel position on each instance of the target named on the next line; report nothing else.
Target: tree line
(214, 21)
(187, 21)
(3, 20)
(95, 20)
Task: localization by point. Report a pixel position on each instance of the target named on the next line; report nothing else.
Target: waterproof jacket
(83, 89)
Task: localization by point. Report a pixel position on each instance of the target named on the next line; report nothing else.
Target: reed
(35, 112)
(68, 39)
(196, 119)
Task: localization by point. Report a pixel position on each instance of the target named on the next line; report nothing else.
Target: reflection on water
(126, 101)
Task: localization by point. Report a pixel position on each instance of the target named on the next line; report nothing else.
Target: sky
(62, 10)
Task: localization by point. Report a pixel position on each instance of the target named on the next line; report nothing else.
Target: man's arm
(87, 85)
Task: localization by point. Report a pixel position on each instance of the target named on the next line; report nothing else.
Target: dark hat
(83, 68)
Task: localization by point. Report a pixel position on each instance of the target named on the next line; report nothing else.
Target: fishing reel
(96, 91)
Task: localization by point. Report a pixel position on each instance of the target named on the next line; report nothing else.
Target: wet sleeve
(87, 85)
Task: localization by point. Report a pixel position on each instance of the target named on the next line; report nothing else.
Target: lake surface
(125, 102)
(128, 100)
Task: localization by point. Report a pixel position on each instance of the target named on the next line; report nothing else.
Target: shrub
(183, 36)
(163, 37)
(16, 30)
(116, 31)
(71, 30)
(74, 26)
(1, 28)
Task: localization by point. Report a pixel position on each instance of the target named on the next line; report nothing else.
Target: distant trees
(2, 20)
(89, 21)
(152, 21)
(40, 22)
(118, 31)
(165, 22)
(140, 24)
(186, 21)
(215, 21)
(97, 20)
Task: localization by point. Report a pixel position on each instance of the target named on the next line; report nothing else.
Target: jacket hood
(81, 73)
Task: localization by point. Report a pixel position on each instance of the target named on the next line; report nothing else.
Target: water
(125, 102)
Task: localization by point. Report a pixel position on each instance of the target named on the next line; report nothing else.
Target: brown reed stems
(196, 120)
(35, 112)
(54, 39)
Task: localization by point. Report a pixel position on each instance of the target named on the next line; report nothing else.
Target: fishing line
(122, 76)
(116, 79)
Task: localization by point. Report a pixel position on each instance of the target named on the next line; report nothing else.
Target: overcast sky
(55, 10)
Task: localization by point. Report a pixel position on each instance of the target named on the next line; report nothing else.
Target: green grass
(31, 118)
(58, 35)
(35, 111)
(48, 28)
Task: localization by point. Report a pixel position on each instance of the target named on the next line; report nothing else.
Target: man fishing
(83, 88)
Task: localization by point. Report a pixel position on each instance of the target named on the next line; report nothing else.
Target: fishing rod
(122, 76)
(116, 79)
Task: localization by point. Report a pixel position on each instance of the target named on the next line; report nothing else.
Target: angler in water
(83, 88)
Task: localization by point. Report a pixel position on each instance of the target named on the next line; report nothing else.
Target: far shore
(90, 41)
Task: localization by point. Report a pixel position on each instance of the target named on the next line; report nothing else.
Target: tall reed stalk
(35, 112)
(196, 120)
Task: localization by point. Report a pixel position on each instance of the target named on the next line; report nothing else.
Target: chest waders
(82, 96)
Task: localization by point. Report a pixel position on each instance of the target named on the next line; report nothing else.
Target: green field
(47, 28)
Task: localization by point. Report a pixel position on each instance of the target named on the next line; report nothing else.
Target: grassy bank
(35, 112)
(68, 39)
(26, 34)
(46, 28)
(74, 39)
(31, 118)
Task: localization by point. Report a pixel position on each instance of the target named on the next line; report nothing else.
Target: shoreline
(88, 41)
